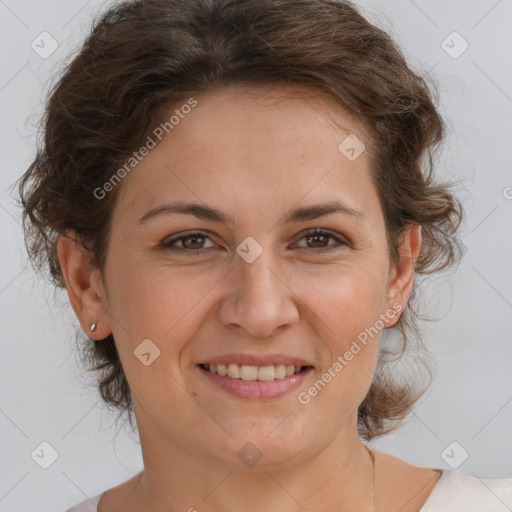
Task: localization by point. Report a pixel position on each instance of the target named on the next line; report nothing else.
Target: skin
(253, 156)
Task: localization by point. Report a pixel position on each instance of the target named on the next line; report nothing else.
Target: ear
(402, 275)
(84, 286)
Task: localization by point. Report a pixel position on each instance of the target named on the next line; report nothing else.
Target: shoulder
(457, 491)
(88, 505)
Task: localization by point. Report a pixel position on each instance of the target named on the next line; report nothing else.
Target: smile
(255, 382)
(251, 373)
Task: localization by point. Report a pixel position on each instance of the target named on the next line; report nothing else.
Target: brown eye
(317, 240)
(190, 243)
(193, 241)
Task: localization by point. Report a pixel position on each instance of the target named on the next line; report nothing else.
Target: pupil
(194, 240)
(316, 237)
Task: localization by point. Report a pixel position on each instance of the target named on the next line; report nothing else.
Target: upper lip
(256, 360)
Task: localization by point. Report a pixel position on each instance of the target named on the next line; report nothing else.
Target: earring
(93, 326)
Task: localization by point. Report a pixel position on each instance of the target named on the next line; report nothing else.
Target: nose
(259, 302)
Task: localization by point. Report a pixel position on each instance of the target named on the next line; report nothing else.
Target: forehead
(255, 142)
(284, 109)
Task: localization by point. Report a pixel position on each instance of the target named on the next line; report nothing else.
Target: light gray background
(44, 396)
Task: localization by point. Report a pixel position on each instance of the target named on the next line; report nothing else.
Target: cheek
(158, 303)
(347, 306)
(348, 299)
(165, 306)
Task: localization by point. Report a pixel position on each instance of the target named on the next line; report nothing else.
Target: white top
(455, 491)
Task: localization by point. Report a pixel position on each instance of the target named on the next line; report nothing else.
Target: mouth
(256, 382)
(253, 373)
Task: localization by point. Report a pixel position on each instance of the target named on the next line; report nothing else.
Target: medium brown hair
(143, 57)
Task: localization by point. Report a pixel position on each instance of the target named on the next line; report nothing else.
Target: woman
(236, 197)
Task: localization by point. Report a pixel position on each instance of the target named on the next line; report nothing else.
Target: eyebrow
(297, 214)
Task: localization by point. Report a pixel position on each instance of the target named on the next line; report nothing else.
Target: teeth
(280, 371)
(265, 372)
(245, 372)
(234, 371)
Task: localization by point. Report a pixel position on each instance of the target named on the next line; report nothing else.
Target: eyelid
(340, 240)
(185, 234)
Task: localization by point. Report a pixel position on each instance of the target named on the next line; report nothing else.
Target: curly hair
(140, 58)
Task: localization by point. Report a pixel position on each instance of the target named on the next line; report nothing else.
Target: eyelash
(312, 232)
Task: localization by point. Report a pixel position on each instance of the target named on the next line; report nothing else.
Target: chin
(262, 447)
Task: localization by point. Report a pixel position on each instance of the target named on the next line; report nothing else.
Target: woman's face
(255, 289)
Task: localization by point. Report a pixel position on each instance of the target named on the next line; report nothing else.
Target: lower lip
(257, 389)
